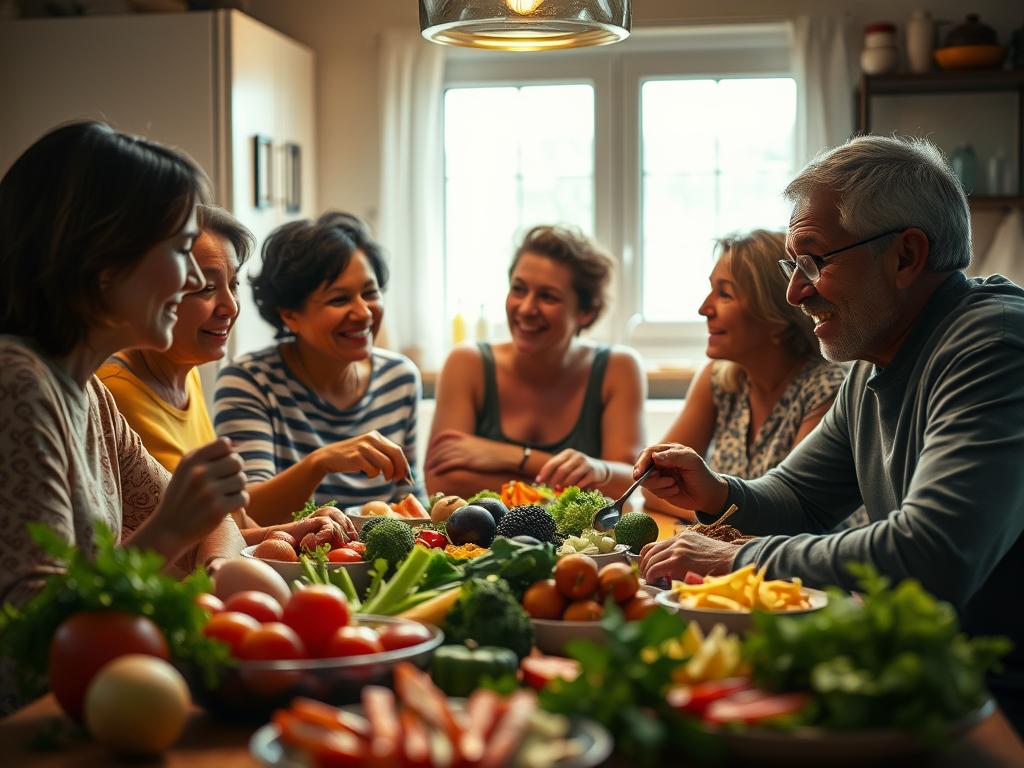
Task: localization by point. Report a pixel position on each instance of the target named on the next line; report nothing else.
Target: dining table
(40, 736)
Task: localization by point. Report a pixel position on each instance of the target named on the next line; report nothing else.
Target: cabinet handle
(292, 178)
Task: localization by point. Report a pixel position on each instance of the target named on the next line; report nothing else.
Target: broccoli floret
(368, 526)
(391, 540)
(574, 510)
(488, 613)
(636, 529)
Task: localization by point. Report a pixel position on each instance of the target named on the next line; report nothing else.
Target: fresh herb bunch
(484, 494)
(896, 660)
(622, 686)
(520, 565)
(118, 579)
(309, 508)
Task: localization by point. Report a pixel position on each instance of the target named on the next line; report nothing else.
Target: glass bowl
(251, 690)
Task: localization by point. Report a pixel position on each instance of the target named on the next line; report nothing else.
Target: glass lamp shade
(525, 25)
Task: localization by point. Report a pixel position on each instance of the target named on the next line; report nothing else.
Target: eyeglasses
(811, 265)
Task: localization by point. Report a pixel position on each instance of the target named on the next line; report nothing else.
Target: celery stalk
(405, 580)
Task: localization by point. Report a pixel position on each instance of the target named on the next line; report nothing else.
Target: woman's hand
(372, 454)
(687, 551)
(682, 478)
(205, 488)
(339, 517)
(571, 467)
(452, 450)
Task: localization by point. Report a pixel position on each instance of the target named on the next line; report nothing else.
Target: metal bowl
(251, 690)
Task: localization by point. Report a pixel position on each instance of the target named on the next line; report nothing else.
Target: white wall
(344, 34)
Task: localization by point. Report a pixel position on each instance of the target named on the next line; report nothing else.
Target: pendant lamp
(525, 25)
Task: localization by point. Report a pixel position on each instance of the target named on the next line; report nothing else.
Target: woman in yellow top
(159, 392)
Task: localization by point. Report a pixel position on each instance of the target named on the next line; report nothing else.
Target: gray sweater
(933, 446)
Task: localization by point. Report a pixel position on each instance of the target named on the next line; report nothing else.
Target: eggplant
(495, 506)
(471, 524)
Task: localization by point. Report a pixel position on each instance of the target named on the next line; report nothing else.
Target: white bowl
(736, 622)
(551, 635)
(353, 514)
(358, 572)
(617, 555)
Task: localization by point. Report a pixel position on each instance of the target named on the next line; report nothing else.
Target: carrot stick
(509, 733)
(415, 740)
(379, 705)
(483, 710)
(326, 716)
(417, 691)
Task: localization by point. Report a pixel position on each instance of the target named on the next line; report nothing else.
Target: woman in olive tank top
(548, 406)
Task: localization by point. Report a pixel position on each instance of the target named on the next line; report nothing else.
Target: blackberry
(528, 520)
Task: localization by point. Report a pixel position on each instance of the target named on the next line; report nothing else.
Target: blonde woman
(767, 385)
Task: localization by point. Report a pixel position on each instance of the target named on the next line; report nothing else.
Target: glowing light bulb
(523, 7)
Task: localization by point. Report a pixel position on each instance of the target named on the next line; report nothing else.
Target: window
(514, 157)
(656, 146)
(716, 154)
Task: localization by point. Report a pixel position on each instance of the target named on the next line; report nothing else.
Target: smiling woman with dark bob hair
(96, 231)
(322, 413)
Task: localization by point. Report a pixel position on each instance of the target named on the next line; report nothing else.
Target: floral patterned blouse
(817, 383)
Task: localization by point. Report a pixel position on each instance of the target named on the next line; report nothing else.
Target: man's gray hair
(890, 182)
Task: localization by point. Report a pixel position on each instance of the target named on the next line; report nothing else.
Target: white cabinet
(205, 82)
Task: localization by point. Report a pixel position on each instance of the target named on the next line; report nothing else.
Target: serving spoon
(607, 517)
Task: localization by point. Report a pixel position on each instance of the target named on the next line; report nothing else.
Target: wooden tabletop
(38, 736)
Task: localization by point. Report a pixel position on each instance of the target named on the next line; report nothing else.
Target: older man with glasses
(927, 432)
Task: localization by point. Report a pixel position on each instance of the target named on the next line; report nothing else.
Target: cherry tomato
(394, 636)
(259, 605)
(86, 641)
(583, 610)
(357, 546)
(315, 613)
(618, 580)
(230, 627)
(272, 641)
(352, 641)
(344, 555)
(543, 600)
(538, 671)
(576, 576)
(210, 603)
(754, 706)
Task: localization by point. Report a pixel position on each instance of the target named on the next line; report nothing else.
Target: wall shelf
(931, 83)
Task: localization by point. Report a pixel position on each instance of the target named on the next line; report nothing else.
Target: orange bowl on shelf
(956, 57)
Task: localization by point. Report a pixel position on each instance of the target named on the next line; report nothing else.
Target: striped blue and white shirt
(274, 420)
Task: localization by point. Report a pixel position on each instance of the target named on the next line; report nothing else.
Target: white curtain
(825, 77)
(412, 191)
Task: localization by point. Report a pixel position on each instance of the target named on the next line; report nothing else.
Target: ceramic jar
(879, 54)
(920, 41)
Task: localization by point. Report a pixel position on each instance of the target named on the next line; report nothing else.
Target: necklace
(311, 382)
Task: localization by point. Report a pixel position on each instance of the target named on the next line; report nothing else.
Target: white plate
(353, 514)
(736, 622)
(266, 747)
(358, 572)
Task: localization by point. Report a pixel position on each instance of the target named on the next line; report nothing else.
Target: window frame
(617, 75)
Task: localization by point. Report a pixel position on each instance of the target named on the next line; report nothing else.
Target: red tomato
(357, 546)
(259, 605)
(210, 603)
(394, 636)
(86, 641)
(352, 641)
(272, 641)
(693, 578)
(344, 555)
(694, 699)
(538, 671)
(754, 706)
(230, 627)
(315, 613)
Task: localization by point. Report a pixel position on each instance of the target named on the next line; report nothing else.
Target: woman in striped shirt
(321, 413)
